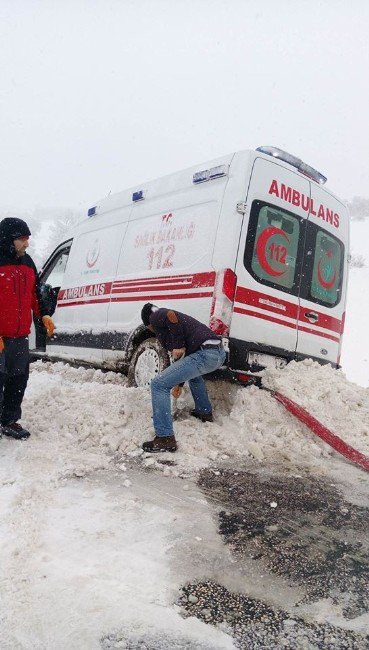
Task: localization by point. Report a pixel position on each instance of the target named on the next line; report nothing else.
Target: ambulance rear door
(324, 278)
(269, 266)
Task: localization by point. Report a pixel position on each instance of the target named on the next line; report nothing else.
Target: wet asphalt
(304, 530)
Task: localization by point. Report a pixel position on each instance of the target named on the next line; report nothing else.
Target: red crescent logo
(93, 254)
(261, 246)
(326, 285)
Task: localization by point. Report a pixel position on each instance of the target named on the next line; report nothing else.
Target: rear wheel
(149, 360)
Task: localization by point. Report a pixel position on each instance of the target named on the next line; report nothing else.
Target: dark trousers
(14, 371)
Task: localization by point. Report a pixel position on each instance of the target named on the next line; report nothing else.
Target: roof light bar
(91, 211)
(210, 174)
(138, 196)
(295, 162)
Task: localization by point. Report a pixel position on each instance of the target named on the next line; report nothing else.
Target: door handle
(312, 316)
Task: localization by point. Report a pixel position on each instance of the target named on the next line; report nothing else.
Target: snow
(355, 351)
(98, 417)
(96, 537)
(83, 559)
(86, 554)
(355, 354)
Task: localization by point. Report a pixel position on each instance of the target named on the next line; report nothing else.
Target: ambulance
(252, 244)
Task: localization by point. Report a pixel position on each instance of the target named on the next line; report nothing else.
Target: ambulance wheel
(149, 359)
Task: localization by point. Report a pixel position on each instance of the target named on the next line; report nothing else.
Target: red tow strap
(322, 431)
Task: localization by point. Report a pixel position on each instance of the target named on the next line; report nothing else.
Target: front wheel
(149, 360)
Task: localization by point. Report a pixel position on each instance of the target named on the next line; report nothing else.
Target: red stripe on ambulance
(272, 319)
(164, 296)
(86, 292)
(291, 310)
(146, 288)
(168, 282)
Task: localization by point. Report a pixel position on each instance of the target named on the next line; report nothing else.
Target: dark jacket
(19, 283)
(177, 330)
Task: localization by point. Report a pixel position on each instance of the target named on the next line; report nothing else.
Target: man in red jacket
(19, 297)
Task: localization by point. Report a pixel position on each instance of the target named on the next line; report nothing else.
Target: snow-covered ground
(86, 554)
(97, 538)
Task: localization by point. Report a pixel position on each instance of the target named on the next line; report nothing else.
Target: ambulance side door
(51, 279)
(84, 297)
(269, 263)
(323, 286)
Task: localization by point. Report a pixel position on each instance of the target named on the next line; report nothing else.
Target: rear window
(274, 255)
(273, 246)
(326, 277)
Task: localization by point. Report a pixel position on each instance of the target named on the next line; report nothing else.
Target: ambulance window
(272, 246)
(54, 274)
(326, 280)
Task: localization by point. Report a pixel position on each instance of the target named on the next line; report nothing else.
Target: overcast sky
(100, 95)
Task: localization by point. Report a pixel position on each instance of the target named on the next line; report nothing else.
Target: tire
(149, 360)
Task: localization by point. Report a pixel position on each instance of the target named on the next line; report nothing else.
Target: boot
(160, 443)
(15, 430)
(204, 417)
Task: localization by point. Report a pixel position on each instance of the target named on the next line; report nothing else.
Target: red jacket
(19, 295)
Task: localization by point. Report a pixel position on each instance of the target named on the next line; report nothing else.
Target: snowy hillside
(355, 351)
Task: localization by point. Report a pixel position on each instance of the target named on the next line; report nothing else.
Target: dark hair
(146, 313)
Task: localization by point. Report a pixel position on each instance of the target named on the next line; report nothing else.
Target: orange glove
(176, 391)
(178, 353)
(48, 325)
(1, 345)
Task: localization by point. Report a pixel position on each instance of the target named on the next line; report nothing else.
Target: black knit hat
(11, 228)
(146, 313)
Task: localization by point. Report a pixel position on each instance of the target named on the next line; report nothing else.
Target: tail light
(223, 299)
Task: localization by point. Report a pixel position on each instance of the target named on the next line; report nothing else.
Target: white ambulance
(251, 244)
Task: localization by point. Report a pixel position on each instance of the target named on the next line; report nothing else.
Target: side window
(273, 245)
(52, 278)
(326, 276)
(54, 274)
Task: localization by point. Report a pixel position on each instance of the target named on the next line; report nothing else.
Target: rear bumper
(239, 354)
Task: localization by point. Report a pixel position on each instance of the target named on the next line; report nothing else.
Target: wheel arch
(137, 336)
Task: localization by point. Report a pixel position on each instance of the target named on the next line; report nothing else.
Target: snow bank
(102, 559)
(355, 349)
(92, 418)
(329, 396)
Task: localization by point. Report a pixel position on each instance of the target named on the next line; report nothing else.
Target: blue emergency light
(91, 211)
(210, 174)
(201, 177)
(138, 196)
(217, 172)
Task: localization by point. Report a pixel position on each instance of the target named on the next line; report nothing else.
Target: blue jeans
(189, 369)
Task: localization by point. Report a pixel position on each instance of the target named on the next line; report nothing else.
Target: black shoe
(204, 417)
(15, 430)
(160, 443)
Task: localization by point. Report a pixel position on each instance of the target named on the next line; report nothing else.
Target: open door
(51, 278)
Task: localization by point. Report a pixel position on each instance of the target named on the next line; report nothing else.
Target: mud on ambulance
(251, 244)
